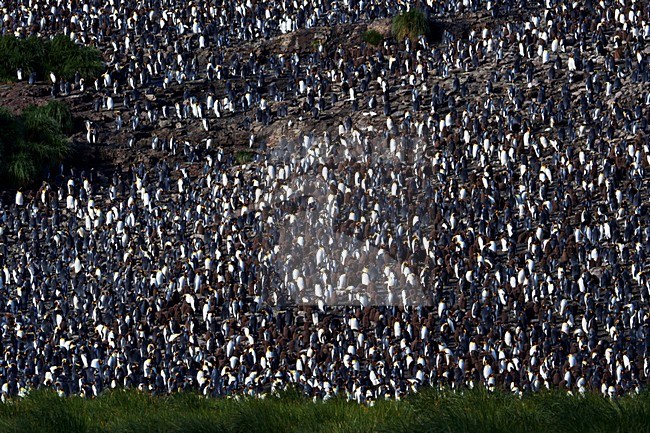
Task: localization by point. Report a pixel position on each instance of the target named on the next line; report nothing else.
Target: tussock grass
(60, 113)
(244, 157)
(373, 37)
(33, 141)
(59, 55)
(44, 411)
(411, 24)
(427, 411)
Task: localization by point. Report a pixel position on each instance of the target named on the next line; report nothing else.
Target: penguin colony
(477, 216)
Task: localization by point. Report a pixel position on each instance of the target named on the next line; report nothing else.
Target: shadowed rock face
(462, 212)
(437, 31)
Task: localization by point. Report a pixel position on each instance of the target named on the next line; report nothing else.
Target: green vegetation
(59, 55)
(427, 411)
(373, 37)
(244, 156)
(61, 114)
(411, 24)
(315, 43)
(32, 141)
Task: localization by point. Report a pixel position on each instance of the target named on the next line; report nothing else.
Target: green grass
(59, 55)
(411, 24)
(32, 142)
(244, 156)
(60, 113)
(427, 411)
(373, 37)
(315, 43)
